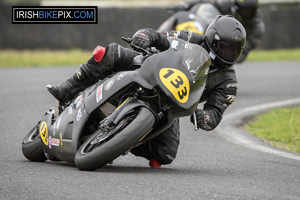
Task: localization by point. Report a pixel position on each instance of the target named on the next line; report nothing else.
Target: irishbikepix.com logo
(54, 14)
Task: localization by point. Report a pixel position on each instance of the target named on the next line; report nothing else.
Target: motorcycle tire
(93, 154)
(32, 146)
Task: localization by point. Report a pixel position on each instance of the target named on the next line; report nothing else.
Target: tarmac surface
(226, 163)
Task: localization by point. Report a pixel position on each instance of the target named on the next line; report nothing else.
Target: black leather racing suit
(221, 86)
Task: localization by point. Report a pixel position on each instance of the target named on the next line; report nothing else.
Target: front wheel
(103, 147)
(32, 146)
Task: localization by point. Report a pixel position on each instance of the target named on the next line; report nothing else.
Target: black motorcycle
(118, 113)
(196, 19)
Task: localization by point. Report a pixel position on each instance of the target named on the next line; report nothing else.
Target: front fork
(107, 122)
(129, 104)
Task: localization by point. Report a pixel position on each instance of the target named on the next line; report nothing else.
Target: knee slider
(166, 156)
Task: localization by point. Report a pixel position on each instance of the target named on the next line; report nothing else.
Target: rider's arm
(189, 36)
(221, 91)
(151, 38)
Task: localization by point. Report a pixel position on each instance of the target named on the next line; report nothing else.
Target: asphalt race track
(209, 165)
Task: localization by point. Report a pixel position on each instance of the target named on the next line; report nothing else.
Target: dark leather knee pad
(153, 150)
(166, 144)
(119, 57)
(166, 155)
(162, 148)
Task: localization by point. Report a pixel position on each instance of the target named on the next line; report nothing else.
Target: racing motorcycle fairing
(102, 91)
(60, 136)
(182, 77)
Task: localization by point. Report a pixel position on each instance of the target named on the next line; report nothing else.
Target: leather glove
(142, 39)
(202, 118)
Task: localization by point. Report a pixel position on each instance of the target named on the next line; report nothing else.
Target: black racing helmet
(225, 39)
(245, 10)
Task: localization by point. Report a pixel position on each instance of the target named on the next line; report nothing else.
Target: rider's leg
(162, 149)
(72, 86)
(104, 62)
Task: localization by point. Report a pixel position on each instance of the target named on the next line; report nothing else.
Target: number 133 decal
(176, 82)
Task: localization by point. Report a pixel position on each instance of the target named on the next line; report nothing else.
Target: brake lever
(145, 51)
(135, 47)
(128, 40)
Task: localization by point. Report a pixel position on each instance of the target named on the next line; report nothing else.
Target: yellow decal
(145, 134)
(44, 133)
(190, 25)
(122, 104)
(60, 136)
(176, 82)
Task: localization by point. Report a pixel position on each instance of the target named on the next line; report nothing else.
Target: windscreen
(196, 60)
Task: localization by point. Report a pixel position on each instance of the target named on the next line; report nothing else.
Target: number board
(176, 82)
(44, 133)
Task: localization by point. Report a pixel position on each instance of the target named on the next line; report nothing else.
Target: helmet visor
(226, 52)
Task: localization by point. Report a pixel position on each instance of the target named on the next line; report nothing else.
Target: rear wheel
(103, 147)
(32, 146)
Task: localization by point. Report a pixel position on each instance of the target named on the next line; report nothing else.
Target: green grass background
(279, 127)
(42, 58)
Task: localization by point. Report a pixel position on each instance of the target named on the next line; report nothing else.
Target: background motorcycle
(195, 19)
(118, 113)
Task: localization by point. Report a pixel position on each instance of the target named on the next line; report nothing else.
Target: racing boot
(71, 87)
(82, 78)
(105, 61)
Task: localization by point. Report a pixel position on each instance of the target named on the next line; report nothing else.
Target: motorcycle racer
(224, 40)
(246, 11)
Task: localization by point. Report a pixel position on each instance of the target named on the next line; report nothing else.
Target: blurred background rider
(246, 11)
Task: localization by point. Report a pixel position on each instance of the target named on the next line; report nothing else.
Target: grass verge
(31, 58)
(274, 55)
(279, 127)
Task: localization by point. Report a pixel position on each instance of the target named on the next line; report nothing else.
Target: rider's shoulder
(221, 73)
